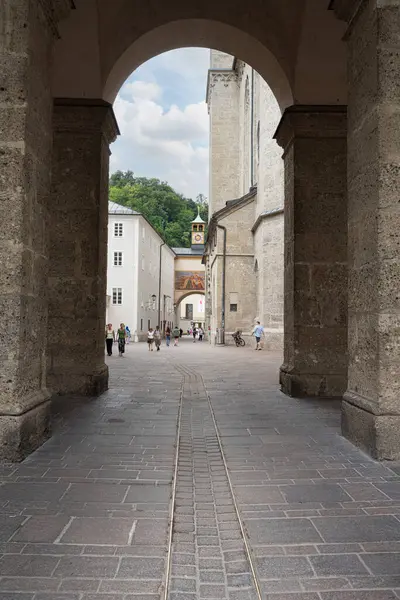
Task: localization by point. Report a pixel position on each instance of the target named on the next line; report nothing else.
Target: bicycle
(239, 341)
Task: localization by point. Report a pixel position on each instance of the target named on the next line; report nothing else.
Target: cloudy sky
(162, 115)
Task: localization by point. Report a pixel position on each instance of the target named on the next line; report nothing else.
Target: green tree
(169, 212)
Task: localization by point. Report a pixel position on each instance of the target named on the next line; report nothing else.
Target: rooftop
(117, 209)
(189, 251)
(198, 219)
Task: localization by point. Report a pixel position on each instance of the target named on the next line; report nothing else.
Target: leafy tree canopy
(169, 213)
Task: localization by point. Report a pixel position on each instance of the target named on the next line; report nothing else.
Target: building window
(141, 324)
(189, 311)
(118, 229)
(117, 296)
(148, 324)
(233, 301)
(117, 259)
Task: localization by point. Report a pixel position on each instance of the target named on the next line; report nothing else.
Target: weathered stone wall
(315, 326)
(268, 252)
(269, 233)
(257, 119)
(26, 38)
(78, 246)
(223, 101)
(240, 276)
(371, 408)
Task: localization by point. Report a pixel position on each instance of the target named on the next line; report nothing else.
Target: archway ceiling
(286, 41)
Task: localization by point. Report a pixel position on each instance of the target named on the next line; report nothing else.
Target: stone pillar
(315, 283)
(371, 407)
(78, 217)
(26, 38)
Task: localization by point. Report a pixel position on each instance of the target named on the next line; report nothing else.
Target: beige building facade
(190, 279)
(246, 239)
(333, 67)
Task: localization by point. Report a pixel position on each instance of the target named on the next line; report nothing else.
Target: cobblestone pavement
(87, 516)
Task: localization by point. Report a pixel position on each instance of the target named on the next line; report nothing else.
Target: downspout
(159, 287)
(222, 332)
(252, 131)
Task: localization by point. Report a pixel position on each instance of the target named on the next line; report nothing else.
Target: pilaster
(315, 253)
(26, 40)
(82, 132)
(371, 407)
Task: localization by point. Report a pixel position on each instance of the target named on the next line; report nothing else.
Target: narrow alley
(193, 477)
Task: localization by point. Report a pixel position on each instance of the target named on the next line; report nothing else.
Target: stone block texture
(26, 39)
(371, 408)
(315, 254)
(224, 142)
(78, 246)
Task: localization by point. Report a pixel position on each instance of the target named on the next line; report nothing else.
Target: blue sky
(163, 119)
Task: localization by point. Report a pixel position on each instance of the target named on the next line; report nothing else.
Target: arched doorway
(190, 311)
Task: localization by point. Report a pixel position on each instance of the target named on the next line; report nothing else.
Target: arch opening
(201, 33)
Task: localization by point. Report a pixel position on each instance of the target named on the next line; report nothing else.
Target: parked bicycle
(239, 341)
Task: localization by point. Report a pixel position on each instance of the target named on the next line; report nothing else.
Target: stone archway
(179, 298)
(302, 54)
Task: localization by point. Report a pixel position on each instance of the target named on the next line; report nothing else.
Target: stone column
(371, 407)
(315, 282)
(26, 39)
(78, 222)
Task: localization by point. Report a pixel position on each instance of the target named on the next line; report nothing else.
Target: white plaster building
(246, 198)
(139, 293)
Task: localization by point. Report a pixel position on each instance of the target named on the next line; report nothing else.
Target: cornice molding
(86, 116)
(311, 121)
(266, 215)
(219, 76)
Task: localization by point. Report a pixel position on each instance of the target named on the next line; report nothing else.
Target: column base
(76, 383)
(376, 434)
(21, 435)
(302, 385)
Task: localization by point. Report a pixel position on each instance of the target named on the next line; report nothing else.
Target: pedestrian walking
(168, 336)
(121, 336)
(176, 335)
(150, 338)
(128, 335)
(194, 334)
(157, 338)
(110, 337)
(180, 332)
(258, 332)
(201, 333)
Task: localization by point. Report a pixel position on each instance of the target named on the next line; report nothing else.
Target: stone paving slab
(86, 517)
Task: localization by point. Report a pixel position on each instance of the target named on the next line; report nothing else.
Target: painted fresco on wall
(189, 280)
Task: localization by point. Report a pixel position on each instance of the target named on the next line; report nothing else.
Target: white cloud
(168, 143)
(146, 90)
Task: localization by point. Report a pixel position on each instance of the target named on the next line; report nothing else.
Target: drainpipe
(222, 332)
(159, 287)
(252, 131)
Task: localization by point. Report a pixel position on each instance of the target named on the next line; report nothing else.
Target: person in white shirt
(150, 338)
(258, 332)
